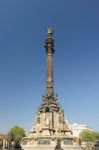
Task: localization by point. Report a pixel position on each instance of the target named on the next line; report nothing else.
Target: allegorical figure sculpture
(58, 145)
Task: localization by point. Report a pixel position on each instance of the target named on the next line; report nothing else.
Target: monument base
(50, 144)
(69, 147)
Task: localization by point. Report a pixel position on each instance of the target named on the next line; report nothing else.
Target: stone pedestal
(50, 144)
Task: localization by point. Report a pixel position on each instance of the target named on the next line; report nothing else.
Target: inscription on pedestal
(68, 142)
(44, 142)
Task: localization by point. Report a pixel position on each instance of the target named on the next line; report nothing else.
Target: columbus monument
(50, 131)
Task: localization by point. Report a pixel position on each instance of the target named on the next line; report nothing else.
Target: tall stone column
(49, 54)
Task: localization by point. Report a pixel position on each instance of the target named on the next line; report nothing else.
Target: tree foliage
(89, 136)
(16, 133)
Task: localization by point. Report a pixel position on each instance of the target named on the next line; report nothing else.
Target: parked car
(96, 146)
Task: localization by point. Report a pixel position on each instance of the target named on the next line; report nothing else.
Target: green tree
(89, 136)
(96, 136)
(16, 133)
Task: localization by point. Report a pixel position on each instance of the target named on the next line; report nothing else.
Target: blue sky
(23, 61)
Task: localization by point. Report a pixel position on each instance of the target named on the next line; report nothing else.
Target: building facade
(78, 128)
